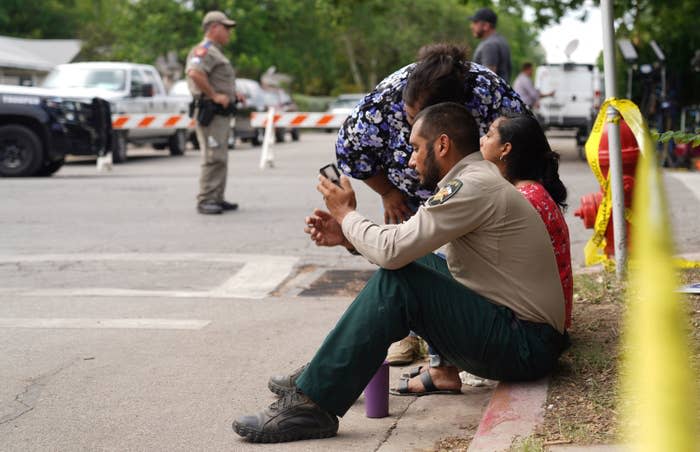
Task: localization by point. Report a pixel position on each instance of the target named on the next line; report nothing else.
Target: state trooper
(211, 80)
(494, 307)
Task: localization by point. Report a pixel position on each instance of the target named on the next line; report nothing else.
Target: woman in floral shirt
(518, 146)
(373, 144)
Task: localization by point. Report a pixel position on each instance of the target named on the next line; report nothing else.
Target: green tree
(377, 37)
(40, 19)
(147, 29)
(294, 36)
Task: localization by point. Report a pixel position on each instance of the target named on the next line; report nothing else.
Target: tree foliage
(328, 46)
(49, 19)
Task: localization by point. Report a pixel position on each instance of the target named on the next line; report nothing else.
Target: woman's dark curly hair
(440, 75)
(531, 157)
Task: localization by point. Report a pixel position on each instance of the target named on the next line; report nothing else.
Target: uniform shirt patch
(195, 60)
(200, 51)
(445, 192)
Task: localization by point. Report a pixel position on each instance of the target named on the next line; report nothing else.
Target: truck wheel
(177, 142)
(232, 139)
(20, 151)
(50, 168)
(256, 141)
(118, 147)
(581, 138)
(581, 152)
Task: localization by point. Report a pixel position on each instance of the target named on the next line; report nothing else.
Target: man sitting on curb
(495, 307)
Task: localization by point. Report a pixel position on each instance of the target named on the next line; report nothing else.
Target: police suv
(38, 129)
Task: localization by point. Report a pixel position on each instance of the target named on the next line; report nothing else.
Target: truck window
(136, 82)
(152, 78)
(84, 77)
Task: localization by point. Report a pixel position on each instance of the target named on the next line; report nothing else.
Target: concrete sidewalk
(414, 423)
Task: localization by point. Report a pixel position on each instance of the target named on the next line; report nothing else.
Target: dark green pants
(471, 332)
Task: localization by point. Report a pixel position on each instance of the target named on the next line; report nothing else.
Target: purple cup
(377, 393)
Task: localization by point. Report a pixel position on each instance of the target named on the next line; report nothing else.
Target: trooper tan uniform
(208, 58)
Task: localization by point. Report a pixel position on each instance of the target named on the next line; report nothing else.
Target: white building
(28, 61)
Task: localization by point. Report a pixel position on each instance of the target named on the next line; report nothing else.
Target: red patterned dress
(553, 219)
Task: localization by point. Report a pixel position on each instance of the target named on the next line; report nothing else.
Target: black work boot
(284, 384)
(209, 208)
(293, 417)
(226, 206)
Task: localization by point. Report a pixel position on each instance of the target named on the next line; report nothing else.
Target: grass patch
(581, 404)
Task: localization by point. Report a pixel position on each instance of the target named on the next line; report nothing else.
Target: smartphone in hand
(331, 173)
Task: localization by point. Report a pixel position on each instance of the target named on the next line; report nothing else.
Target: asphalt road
(130, 322)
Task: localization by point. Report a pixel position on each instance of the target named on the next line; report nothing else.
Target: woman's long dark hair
(531, 157)
(440, 75)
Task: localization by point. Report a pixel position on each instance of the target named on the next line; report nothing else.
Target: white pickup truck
(131, 89)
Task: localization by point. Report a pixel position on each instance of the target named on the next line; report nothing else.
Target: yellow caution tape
(594, 250)
(658, 392)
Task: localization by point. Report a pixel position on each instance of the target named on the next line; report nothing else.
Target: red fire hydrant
(589, 203)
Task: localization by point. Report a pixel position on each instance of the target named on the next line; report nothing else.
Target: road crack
(26, 400)
(393, 426)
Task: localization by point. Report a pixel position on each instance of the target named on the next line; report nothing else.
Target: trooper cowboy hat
(219, 17)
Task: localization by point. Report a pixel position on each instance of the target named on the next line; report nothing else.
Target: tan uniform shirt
(208, 57)
(497, 244)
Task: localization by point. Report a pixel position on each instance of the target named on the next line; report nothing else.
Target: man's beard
(430, 177)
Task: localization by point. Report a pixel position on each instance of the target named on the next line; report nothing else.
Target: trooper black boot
(293, 417)
(284, 384)
(209, 208)
(226, 206)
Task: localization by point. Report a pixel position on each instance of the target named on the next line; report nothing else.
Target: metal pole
(618, 194)
(629, 82)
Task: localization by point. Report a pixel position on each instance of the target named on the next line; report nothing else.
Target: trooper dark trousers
(473, 333)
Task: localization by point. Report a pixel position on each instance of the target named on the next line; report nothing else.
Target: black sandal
(428, 385)
(414, 372)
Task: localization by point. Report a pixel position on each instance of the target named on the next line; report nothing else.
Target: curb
(514, 411)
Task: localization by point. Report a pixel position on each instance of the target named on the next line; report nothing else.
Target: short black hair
(452, 119)
(526, 65)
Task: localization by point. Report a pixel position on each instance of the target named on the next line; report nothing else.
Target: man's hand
(202, 81)
(339, 200)
(221, 99)
(324, 230)
(396, 208)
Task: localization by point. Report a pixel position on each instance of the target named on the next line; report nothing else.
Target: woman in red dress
(519, 147)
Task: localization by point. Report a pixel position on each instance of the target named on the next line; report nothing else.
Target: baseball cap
(485, 15)
(217, 16)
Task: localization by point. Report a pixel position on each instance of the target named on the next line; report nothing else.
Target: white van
(577, 97)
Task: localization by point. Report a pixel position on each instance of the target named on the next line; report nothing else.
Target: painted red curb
(514, 411)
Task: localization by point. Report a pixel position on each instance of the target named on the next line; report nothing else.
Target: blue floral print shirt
(375, 135)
